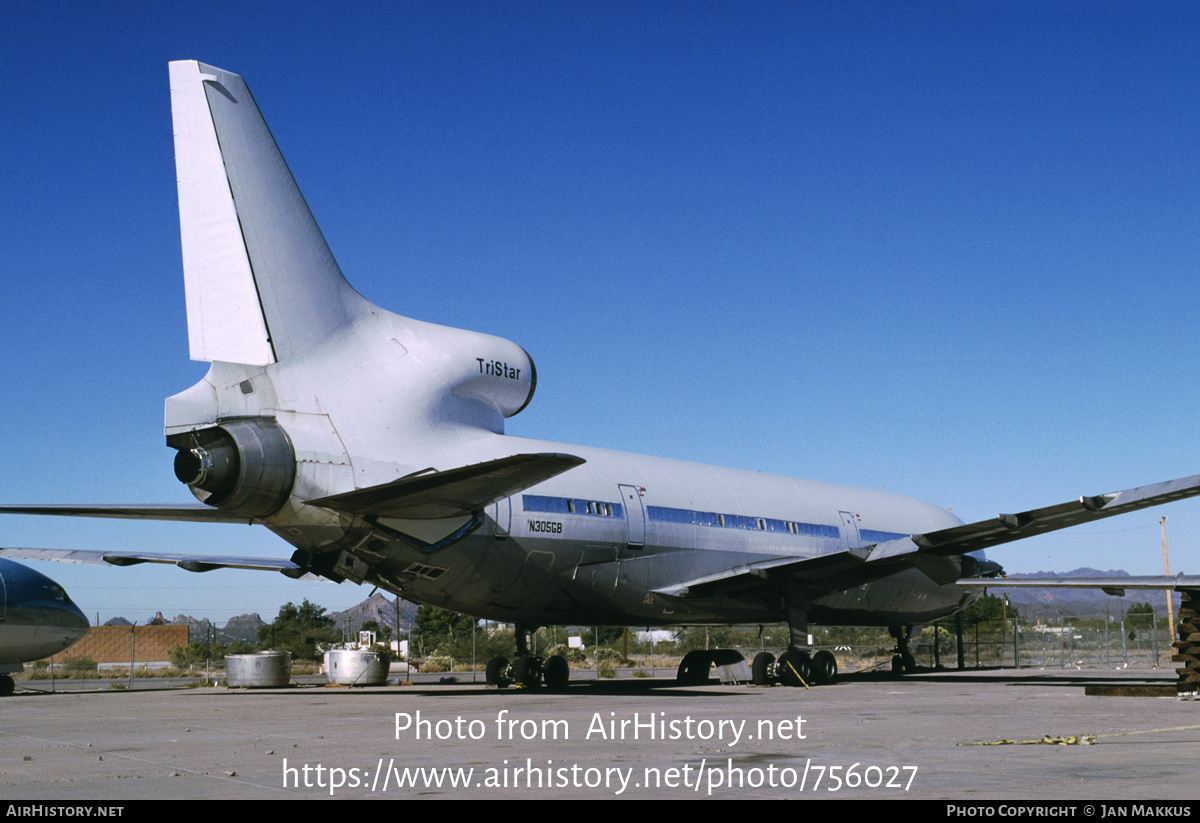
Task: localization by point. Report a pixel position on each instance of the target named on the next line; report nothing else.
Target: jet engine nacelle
(246, 466)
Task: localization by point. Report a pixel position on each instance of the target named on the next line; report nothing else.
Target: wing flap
(453, 492)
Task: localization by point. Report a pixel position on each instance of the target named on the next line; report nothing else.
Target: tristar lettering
(498, 368)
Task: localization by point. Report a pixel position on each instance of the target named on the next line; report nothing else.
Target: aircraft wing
(1115, 586)
(823, 574)
(193, 512)
(192, 563)
(814, 576)
(453, 492)
(1005, 528)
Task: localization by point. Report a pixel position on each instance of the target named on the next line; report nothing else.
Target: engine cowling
(246, 466)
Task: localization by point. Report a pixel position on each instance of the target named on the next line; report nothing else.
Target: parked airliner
(375, 445)
(37, 620)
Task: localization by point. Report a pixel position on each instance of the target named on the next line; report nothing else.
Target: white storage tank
(259, 670)
(356, 667)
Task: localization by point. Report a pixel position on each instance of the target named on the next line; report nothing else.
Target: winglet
(260, 280)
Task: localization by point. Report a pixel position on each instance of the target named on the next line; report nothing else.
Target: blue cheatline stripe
(571, 505)
(666, 514)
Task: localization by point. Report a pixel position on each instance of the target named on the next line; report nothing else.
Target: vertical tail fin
(261, 283)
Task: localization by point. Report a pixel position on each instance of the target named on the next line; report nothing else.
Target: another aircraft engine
(245, 466)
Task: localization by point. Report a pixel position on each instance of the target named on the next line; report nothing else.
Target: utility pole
(1162, 524)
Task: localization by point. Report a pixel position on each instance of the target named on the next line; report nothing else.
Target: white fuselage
(603, 542)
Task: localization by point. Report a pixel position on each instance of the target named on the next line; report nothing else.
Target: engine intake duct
(246, 467)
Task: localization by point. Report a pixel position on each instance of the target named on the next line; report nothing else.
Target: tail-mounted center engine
(245, 467)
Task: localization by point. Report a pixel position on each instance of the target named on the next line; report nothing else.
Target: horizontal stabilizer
(192, 563)
(451, 493)
(188, 512)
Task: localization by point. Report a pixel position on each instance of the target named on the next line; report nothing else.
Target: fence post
(1016, 645)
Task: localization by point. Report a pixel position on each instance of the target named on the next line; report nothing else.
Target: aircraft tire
(557, 672)
(795, 669)
(527, 671)
(825, 668)
(496, 673)
(7, 685)
(760, 669)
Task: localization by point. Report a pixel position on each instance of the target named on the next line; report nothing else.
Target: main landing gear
(527, 670)
(797, 666)
(902, 658)
(794, 668)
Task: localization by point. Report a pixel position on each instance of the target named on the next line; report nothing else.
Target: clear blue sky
(948, 249)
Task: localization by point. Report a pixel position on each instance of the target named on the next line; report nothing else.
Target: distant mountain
(244, 628)
(379, 608)
(1077, 602)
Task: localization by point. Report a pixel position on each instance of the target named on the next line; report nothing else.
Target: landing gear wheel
(527, 671)
(760, 669)
(556, 672)
(897, 665)
(7, 685)
(824, 666)
(496, 673)
(795, 668)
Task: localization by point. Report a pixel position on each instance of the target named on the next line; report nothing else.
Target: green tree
(986, 609)
(1139, 615)
(195, 654)
(301, 630)
(607, 635)
(441, 631)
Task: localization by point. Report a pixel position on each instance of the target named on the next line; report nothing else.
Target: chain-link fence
(1141, 642)
(1137, 642)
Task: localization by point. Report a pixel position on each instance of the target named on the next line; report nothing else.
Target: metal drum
(355, 667)
(260, 670)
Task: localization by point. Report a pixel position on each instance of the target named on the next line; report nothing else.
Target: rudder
(260, 281)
